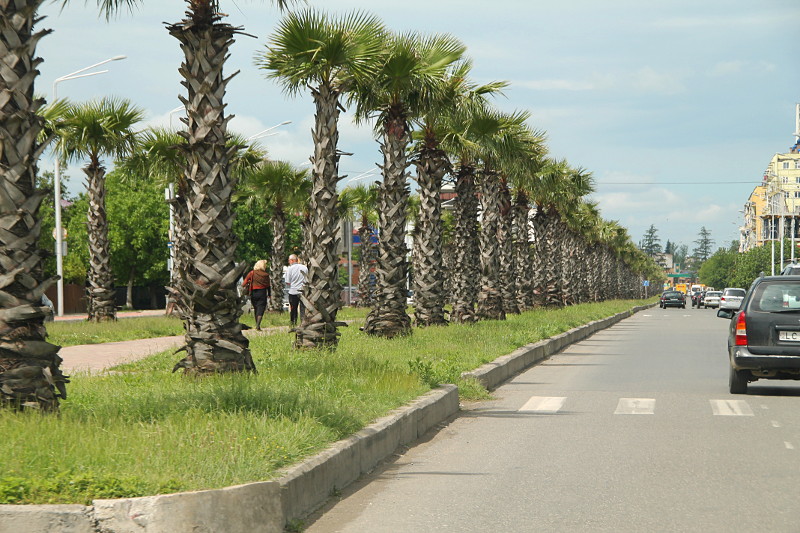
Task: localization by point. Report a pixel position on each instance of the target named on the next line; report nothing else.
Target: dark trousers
(258, 297)
(294, 305)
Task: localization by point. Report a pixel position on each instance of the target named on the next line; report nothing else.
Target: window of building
(785, 164)
(797, 164)
(797, 194)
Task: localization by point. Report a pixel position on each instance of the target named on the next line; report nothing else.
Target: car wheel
(737, 382)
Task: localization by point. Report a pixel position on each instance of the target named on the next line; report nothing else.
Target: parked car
(712, 299)
(731, 298)
(764, 335)
(673, 299)
(792, 269)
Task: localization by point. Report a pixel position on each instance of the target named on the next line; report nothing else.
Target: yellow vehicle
(683, 287)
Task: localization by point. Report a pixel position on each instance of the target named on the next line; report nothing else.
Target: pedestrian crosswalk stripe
(543, 404)
(635, 406)
(730, 408)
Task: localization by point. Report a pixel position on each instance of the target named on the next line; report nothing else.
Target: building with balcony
(773, 209)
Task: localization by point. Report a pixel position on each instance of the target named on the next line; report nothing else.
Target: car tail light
(741, 330)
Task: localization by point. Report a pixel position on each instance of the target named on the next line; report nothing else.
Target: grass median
(140, 430)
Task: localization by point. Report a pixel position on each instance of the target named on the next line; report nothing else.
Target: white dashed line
(635, 406)
(543, 404)
(730, 408)
(776, 424)
(789, 445)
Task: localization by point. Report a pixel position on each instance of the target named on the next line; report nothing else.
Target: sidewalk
(97, 357)
(120, 314)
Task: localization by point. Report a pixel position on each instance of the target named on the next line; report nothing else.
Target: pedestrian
(295, 279)
(256, 282)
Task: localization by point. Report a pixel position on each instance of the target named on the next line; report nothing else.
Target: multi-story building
(773, 209)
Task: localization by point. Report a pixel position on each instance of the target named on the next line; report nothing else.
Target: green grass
(73, 333)
(141, 430)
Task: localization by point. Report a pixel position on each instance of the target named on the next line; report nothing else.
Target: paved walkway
(98, 357)
(120, 314)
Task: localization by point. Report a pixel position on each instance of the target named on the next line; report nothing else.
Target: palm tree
(432, 164)
(501, 137)
(465, 270)
(93, 130)
(214, 339)
(365, 200)
(159, 157)
(412, 71)
(279, 188)
(328, 56)
(30, 374)
(546, 193)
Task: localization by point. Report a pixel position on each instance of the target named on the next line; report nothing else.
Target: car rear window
(776, 296)
(673, 293)
(735, 292)
(713, 293)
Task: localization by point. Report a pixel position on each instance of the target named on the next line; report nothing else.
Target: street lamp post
(179, 108)
(57, 179)
(261, 133)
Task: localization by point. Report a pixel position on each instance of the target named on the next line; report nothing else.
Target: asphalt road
(631, 430)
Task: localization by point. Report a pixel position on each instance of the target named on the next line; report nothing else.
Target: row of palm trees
(426, 112)
(415, 90)
(29, 365)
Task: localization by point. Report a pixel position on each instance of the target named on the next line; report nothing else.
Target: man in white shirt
(295, 278)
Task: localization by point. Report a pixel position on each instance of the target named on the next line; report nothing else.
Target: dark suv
(764, 338)
(673, 299)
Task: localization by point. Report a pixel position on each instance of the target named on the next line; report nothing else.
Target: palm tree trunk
(180, 251)
(508, 258)
(552, 260)
(539, 256)
(522, 254)
(466, 271)
(322, 291)
(389, 318)
(366, 262)
(100, 290)
(129, 288)
(429, 296)
(208, 283)
(490, 299)
(276, 265)
(30, 374)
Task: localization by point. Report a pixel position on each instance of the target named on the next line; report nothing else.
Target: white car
(731, 298)
(711, 299)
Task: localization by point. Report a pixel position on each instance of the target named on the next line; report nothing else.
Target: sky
(675, 107)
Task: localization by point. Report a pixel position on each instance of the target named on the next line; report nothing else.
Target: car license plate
(789, 336)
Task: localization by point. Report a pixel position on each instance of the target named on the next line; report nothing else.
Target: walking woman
(257, 284)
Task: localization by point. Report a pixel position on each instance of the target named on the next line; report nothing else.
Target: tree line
(523, 232)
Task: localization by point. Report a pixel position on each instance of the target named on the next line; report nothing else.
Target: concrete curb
(307, 486)
(267, 506)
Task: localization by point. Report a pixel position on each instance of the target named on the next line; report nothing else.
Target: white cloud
(649, 80)
(730, 68)
(645, 79)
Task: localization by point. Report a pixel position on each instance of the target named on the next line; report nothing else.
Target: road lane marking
(776, 424)
(730, 408)
(635, 406)
(543, 404)
(788, 445)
